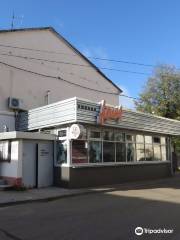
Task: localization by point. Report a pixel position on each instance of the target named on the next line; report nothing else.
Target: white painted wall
(32, 88)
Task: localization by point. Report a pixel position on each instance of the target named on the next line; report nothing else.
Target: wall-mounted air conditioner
(15, 103)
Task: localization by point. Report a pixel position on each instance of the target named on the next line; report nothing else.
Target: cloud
(124, 101)
(98, 52)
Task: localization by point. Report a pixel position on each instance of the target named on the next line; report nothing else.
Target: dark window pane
(156, 139)
(119, 137)
(61, 152)
(108, 135)
(120, 152)
(79, 151)
(130, 138)
(62, 133)
(108, 152)
(130, 152)
(95, 134)
(95, 152)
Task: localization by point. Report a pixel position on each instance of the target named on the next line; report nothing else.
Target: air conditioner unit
(15, 103)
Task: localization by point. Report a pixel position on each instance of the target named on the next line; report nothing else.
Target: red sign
(108, 112)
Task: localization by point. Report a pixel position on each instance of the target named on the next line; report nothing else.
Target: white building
(38, 66)
(64, 135)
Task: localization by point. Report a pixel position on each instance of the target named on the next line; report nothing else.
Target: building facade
(48, 136)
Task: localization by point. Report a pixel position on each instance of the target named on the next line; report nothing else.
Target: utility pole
(12, 22)
(14, 18)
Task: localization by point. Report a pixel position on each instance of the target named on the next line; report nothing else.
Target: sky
(140, 31)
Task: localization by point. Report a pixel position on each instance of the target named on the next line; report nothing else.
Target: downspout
(170, 155)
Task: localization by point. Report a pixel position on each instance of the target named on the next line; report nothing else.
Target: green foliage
(161, 95)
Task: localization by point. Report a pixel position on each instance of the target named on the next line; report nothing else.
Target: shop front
(99, 144)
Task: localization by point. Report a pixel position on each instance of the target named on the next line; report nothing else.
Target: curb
(48, 199)
(109, 188)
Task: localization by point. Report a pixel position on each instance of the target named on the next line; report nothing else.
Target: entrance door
(45, 164)
(29, 164)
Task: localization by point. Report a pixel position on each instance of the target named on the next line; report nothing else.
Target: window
(130, 138)
(149, 152)
(156, 140)
(95, 151)
(79, 151)
(140, 151)
(120, 152)
(108, 135)
(140, 138)
(164, 152)
(61, 152)
(148, 139)
(119, 137)
(62, 133)
(130, 152)
(157, 152)
(5, 150)
(108, 151)
(95, 134)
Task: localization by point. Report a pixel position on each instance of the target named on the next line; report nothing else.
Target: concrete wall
(105, 175)
(32, 88)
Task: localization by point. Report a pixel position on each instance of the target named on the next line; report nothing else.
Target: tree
(161, 94)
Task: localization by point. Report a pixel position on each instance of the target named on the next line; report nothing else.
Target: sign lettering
(108, 112)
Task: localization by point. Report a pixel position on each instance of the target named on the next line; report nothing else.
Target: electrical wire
(55, 77)
(74, 64)
(90, 57)
(62, 79)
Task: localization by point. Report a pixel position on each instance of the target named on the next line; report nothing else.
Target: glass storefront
(112, 145)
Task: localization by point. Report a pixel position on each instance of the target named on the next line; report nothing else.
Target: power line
(59, 78)
(122, 95)
(90, 57)
(73, 64)
(55, 77)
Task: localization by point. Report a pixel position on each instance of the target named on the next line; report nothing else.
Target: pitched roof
(67, 43)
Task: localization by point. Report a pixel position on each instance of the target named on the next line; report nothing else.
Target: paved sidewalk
(11, 197)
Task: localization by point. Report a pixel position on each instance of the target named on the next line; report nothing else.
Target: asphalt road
(112, 215)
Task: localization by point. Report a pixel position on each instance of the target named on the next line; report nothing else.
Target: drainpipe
(170, 155)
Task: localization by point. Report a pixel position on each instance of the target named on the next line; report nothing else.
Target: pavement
(12, 197)
(112, 214)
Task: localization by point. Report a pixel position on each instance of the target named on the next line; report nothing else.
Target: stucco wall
(8, 120)
(32, 88)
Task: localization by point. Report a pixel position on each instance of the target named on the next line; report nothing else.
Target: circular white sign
(139, 231)
(74, 131)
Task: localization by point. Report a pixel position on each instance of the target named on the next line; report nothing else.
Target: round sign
(74, 131)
